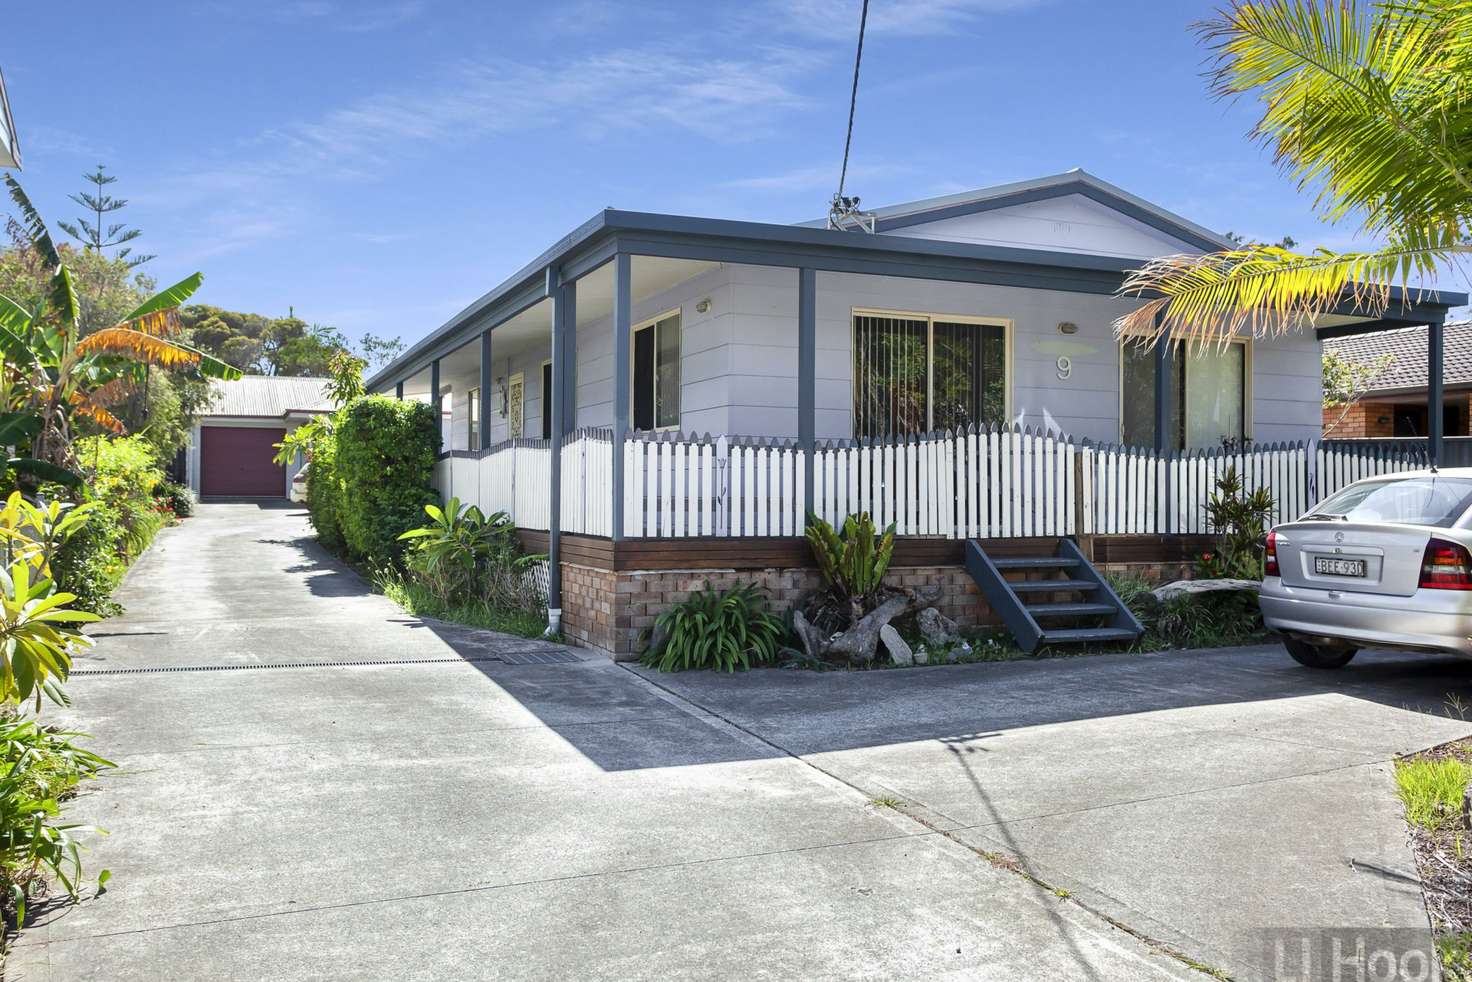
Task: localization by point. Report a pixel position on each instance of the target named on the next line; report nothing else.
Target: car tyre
(1318, 655)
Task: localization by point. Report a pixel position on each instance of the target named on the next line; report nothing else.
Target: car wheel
(1318, 655)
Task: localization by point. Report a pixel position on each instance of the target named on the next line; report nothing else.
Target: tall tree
(1367, 108)
(98, 234)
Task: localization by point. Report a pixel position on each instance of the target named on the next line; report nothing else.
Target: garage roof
(269, 396)
(1403, 353)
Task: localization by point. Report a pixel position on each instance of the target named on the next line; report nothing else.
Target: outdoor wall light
(1067, 327)
(703, 307)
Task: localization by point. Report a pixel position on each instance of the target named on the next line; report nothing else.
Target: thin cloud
(350, 17)
(839, 19)
(814, 178)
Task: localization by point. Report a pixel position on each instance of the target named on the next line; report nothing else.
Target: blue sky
(378, 164)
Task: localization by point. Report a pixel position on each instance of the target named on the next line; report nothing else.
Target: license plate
(1339, 567)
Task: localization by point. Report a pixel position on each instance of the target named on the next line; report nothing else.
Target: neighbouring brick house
(1395, 404)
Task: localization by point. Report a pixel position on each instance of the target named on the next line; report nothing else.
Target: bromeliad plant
(464, 554)
(52, 375)
(721, 630)
(853, 562)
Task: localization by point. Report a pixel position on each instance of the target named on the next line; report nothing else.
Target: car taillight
(1270, 556)
(1446, 566)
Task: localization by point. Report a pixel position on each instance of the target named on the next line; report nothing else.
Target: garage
(235, 461)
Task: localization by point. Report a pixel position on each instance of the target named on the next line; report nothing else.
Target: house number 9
(1065, 366)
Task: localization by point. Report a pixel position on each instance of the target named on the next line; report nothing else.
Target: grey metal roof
(268, 396)
(1406, 348)
(9, 141)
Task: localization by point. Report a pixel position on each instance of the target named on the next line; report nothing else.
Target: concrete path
(315, 786)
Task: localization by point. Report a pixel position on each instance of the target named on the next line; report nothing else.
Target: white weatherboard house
(879, 370)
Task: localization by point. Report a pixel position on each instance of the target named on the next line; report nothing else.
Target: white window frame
(635, 329)
(472, 430)
(1185, 352)
(1008, 328)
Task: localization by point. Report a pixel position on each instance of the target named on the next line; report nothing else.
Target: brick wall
(607, 611)
(1360, 420)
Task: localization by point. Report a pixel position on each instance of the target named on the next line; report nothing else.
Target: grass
(1431, 786)
(1432, 790)
(417, 600)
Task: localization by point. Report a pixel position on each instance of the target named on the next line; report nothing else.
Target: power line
(853, 100)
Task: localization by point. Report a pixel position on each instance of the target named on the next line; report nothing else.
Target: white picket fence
(980, 483)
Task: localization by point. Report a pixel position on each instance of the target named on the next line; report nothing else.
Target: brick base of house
(607, 611)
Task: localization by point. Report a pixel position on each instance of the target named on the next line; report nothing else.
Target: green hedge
(383, 460)
(324, 491)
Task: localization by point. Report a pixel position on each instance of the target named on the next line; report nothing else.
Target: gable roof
(1406, 348)
(1076, 181)
(268, 396)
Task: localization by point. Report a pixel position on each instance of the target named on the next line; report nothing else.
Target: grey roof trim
(1076, 181)
(10, 152)
(723, 240)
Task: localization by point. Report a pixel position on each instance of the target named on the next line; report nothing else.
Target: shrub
(720, 630)
(1217, 619)
(122, 475)
(39, 769)
(324, 492)
(1238, 519)
(175, 497)
(463, 555)
(384, 459)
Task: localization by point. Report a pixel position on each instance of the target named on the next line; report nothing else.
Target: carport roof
(268, 396)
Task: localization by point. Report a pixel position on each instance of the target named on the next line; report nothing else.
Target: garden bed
(1433, 786)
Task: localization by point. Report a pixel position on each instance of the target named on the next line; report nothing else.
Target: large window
(1208, 397)
(656, 364)
(917, 373)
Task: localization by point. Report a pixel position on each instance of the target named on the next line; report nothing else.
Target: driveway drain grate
(537, 658)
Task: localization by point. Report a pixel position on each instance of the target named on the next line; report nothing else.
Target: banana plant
(52, 374)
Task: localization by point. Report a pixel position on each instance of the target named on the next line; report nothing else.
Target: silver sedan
(1385, 563)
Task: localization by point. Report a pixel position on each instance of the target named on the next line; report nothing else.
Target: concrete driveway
(316, 786)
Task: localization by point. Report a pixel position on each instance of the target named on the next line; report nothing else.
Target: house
(9, 141)
(1394, 402)
(230, 449)
(658, 392)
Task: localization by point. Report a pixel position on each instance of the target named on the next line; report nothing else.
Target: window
(546, 400)
(914, 373)
(655, 391)
(1437, 501)
(474, 419)
(1208, 397)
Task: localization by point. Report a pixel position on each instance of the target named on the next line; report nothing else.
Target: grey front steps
(1090, 598)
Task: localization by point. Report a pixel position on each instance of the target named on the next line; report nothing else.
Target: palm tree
(51, 374)
(1369, 109)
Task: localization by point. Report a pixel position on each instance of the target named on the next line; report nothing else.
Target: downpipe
(554, 622)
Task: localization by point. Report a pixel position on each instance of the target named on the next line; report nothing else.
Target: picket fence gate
(1008, 482)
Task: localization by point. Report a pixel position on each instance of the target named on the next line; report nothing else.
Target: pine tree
(94, 234)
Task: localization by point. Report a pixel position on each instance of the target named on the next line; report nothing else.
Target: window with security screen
(918, 373)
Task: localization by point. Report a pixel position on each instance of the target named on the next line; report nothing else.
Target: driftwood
(860, 642)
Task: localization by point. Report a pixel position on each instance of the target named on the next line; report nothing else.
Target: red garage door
(236, 461)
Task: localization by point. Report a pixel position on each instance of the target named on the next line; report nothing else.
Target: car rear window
(1436, 501)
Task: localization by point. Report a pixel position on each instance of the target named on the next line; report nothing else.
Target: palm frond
(1361, 106)
(1264, 290)
(34, 225)
(63, 296)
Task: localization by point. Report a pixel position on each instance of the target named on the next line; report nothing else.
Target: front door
(515, 400)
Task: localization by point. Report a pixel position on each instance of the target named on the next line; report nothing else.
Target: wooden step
(1052, 586)
(1069, 610)
(1086, 635)
(1035, 562)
